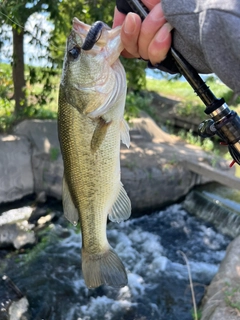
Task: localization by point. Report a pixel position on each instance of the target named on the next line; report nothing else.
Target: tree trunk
(18, 71)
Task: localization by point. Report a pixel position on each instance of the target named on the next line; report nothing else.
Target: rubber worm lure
(93, 35)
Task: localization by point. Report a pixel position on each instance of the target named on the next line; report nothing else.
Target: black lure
(93, 35)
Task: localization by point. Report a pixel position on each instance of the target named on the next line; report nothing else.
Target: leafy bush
(134, 103)
(6, 102)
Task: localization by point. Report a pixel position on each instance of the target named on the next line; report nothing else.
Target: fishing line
(11, 20)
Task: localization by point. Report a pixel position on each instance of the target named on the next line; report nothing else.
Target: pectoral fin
(124, 131)
(99, 134)
(70, 211)
(121, 209)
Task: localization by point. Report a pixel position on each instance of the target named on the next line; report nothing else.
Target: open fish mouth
(98, 38)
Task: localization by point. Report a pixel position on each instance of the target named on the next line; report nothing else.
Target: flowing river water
(49, 274)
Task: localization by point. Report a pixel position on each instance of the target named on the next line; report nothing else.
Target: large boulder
(16, 176)
(46, 156)
(153, 170)
(222, 300)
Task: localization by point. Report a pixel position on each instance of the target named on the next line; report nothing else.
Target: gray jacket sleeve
(207, 34)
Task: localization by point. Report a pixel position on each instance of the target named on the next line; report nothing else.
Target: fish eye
(74, 52)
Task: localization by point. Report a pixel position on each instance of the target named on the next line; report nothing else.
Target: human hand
(150, 39)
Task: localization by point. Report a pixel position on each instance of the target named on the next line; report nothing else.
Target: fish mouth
(100, 39)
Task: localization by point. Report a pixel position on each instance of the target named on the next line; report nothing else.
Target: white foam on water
(136, 284)
(105, 306)
(146, 260)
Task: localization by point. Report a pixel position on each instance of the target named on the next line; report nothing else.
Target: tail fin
(103, 268)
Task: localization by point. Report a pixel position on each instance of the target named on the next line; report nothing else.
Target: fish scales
(90, 125)
(91, 169)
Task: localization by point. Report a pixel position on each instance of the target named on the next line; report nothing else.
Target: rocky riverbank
(157, 170)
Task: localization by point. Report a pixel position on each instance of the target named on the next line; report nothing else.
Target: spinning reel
(224, 122)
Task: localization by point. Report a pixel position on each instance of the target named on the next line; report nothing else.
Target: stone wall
(152, 168)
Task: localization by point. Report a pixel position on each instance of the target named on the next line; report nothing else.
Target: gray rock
(222, 300)
(152, 169)
(15, 215)
(18, 309)
(46, 156)
(16, 176)
(41, 197)
(14, 235)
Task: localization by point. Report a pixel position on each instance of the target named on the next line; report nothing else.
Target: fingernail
(157, 13)
(163, 32)
(130, 24)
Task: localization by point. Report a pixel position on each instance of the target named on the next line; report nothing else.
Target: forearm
(206, 33)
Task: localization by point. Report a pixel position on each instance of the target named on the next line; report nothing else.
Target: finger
(130, 33)
(160, 44)
(150, 26)
(118, 21)
(118, 18)
(150, 4)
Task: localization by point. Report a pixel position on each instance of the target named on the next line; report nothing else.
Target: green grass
(181, 90)
(173, 89)
(41, 106)
(231, 297)
(191, 105)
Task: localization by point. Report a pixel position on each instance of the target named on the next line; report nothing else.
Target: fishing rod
(223, 122)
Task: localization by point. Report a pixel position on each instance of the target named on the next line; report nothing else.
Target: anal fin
(121, 209)
(70, 211)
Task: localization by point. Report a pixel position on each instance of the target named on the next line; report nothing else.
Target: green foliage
(191, 109)
(190, 105)
(54, 153)
(135, 102)
(42, 82)
(135, 72)
(15, 14)
(197, 315)
(86, 11)
(206, 144)
(231, 297)
(222, 91)
(6, 104)
(41, 94)
(89, 12)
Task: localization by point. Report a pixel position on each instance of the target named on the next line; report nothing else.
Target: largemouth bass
(91, 125)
